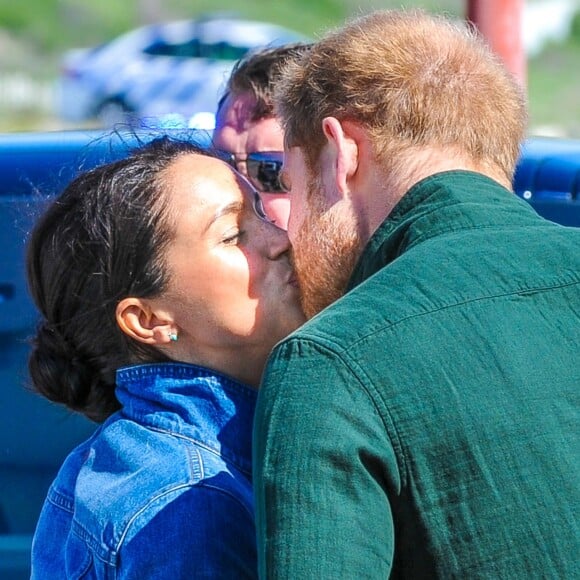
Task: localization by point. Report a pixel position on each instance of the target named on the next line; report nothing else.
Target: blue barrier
(548, 177)
(35, 435)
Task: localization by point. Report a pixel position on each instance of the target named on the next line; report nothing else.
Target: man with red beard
(424, 422)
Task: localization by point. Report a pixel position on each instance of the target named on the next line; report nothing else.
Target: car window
(222, 51)
(189, 49)
(195, 49)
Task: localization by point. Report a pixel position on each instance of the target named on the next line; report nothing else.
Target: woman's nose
(277, 242)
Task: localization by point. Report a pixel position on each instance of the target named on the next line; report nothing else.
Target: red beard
(326, 250)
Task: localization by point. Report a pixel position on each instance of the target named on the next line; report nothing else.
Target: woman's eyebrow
(234, 207)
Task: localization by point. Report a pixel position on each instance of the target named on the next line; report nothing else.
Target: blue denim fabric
(162, 489)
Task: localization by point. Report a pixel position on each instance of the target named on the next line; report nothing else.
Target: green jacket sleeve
(324, 470)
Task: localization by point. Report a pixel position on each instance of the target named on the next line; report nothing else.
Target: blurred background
(173, 74)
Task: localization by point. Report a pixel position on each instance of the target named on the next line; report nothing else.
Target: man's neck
(385, 188)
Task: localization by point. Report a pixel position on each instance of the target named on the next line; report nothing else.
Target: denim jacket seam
(229, 494)
(222, 457)
(113, 551)
(196, 443)
(59, 500)
(196, 467)
(196, 464)
(148, 505)
(94, 544)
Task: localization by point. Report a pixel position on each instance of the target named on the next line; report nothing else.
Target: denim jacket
(162, 489)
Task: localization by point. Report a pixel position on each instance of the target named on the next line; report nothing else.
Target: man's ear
(137, 319)
(344, 150)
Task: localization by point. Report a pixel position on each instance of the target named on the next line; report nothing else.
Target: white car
(172, 71)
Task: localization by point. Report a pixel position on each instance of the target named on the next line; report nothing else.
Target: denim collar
(191, 401)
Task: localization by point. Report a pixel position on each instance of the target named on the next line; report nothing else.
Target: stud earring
(172, 336)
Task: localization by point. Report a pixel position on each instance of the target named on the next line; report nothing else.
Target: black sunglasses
(264, 168)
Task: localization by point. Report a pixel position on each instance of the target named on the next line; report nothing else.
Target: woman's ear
(138, 320)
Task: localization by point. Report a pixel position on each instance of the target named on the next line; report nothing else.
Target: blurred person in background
(248, 134)
(162, 287)
(424, 423)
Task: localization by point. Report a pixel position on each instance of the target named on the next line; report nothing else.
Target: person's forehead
(259, 136)
(236, 130)
(198, 175)
(236, 112)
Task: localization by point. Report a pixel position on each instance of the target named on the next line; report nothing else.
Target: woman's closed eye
(232, 237)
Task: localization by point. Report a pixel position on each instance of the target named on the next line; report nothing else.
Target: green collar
(441, 203)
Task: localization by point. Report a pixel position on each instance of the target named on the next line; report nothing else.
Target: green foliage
(55, 25)
(575, 28)
(554, 89)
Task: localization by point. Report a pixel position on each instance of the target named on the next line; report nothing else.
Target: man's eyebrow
(235, 207)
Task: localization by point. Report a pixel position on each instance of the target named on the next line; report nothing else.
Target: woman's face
(232, 291)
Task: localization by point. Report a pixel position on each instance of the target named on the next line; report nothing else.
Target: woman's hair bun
(61, 373)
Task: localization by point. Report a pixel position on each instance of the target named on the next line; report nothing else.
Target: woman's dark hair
(101, 240)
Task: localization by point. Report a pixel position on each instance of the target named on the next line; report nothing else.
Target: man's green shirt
(426, 425)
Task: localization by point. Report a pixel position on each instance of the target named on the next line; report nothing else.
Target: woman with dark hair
(162, 287)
